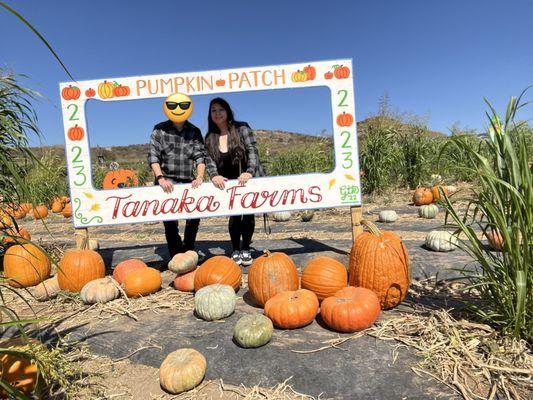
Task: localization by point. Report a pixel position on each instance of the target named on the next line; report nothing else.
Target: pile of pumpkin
(58, 205)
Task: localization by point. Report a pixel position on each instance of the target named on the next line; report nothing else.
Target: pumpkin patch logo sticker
(122, 201)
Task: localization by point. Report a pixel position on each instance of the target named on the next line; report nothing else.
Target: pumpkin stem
(267, 253)
(371, 227)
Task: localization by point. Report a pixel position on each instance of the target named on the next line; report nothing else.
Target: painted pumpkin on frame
(120, 178)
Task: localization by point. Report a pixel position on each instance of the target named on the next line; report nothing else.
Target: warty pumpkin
(324, 276)
(182, 370)
(26, 265)
(351, 309)
(271, 274)
(142, 282)
(218, 269)
(292, 309)
(379, 262)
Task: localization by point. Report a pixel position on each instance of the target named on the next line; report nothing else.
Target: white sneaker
(236, 256)
(246, 257)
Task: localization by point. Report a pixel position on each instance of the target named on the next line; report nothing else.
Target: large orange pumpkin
(142, 282)
(79, 266)
(218, 269)
(436, 192)
(324, 276)
(351, 309)
(67, 210)
(40, 212)
(57, 205)
(19, 372)
(422, 196)
(26, 207)
(26, 265)
(379, 262)
(271, 274)
(120, 178)
(292, 309)
(125, 267)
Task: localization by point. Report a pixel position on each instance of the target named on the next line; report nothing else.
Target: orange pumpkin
(105, 90)
(495, 238)
(40, 212)
(351, 309)
(125, 267)
(310, 72)
(79, 266)
(185, 282)
(120, 178)
(26, 265)
(76, 133)
(57, 205)
(292, 309)
(65, 199)
(19, 212)
(71, 93)
(121, 91)
(341, 72)
(324, 276)
(6, 220)
(142, 282)
(344, 119)
(19, 372)
(379, 262)
(26, 207)
(15, 236)
(436, 193)
(67, 210)
(271, 274)
(422, 197)
(218, 269)
(90, 92)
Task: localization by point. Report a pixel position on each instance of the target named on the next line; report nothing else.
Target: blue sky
(433, 58)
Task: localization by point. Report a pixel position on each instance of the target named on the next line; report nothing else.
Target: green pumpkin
(214, 302)
(429, 211)
(307, 215)
(253, 330)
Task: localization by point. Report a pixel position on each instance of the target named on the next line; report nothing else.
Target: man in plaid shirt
(175, 147)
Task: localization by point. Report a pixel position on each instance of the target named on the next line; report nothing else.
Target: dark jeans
(174, 242)
(241, 225)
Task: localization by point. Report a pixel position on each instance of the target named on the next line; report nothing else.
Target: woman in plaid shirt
(232, 154)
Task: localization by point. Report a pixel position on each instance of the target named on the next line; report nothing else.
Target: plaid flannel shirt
(176, 151)
(253, 164)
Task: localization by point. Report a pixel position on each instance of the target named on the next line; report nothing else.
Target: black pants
(241, 226)
(174, 242)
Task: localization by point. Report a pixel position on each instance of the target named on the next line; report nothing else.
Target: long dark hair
(235, 145)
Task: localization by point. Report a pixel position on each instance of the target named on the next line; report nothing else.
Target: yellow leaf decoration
(331, 183)
(349, 177)
(88, 195)
(95, 207)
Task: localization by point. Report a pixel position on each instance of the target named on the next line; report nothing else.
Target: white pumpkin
(99, 291)
(388, 216)
(441, 241)
(214, 302)
(281, 216)
(46, 290)
(428, 211)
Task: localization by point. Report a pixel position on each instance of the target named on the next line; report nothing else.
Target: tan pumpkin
(99, 291)
(271, 274)
(142, 282)
(185, 282)
(379, 262)
(182, 370)
(125, 267)
(21, 373)
(46, 290)
(422, 196)
(351, 309)
(324, 276)
(218, 269)
(40, 212)
(292, 309)
(183, 262)
(67, 210)
(79, 266)
(26, 265)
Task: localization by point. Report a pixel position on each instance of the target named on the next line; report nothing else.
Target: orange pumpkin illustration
(76, 133)
(105, 90)
(120, 178)
(220, 82)
(121, 91)
(90, 92)
(310, 72)
(71, 93)
(341, 72)
(328, 75)
(344, 119)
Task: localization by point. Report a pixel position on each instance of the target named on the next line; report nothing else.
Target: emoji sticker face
(178, 107)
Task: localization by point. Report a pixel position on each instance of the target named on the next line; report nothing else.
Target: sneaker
(246, 257)
(236, 256)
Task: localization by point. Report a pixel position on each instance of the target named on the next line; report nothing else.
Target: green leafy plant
(503, 201)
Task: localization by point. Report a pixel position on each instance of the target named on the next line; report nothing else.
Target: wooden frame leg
(357, 215)
(81, 235)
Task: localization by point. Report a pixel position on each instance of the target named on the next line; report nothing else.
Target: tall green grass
(503, 201)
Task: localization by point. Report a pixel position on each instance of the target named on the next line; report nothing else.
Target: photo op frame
(338, 188)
